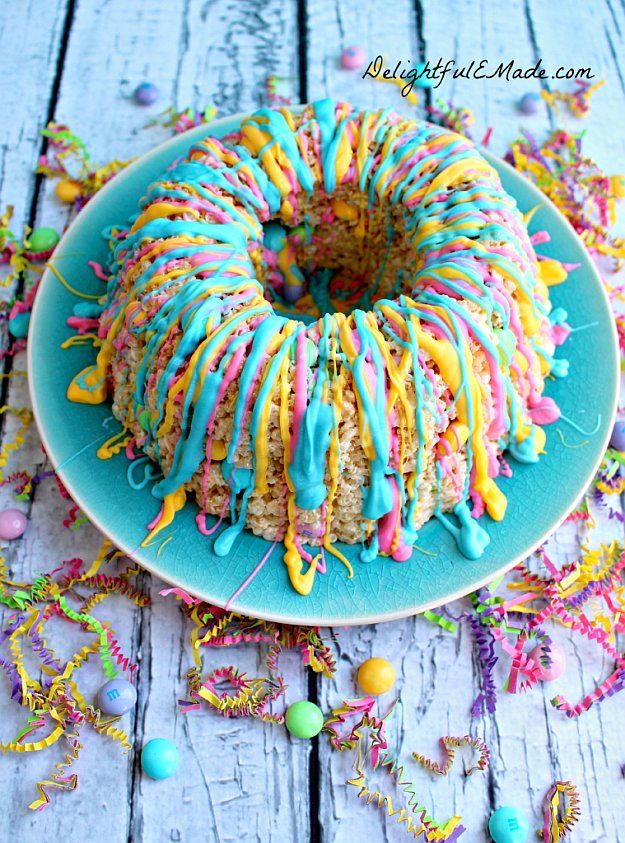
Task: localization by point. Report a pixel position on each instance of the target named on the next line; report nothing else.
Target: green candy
(300, 231)
(506, 341)
(43, 239)
(311, 352)
(144, 419)
(304, 719)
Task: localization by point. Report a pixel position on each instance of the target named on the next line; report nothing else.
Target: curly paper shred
(21, 262)
(458, 119)
(487, 659)
(413, 817)
(355, 726)
(562, 811)
(181, 594)
(585, 596)
(575, 184)
(60, 778)
(213, 626)
(449, 746)
(22, 483)
(188, 118)
(57, 709)
(525, 672)
(275, 97)
(346, 725)
(243, 696)
(577, 101)
(440, 620)
(67, 157)
(75, 518)
(25, 417)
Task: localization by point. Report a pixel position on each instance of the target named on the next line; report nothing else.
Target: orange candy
(376, 676)
(68, 191)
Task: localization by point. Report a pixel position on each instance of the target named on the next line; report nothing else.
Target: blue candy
(159, 758)
(146, 93)
(18, 326)
(530, 103)
(423, 81)
(508, 825)
(274, 236)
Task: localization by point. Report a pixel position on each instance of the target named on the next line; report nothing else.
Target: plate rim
(135, 553)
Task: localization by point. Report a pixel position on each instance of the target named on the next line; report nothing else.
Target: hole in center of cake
(338, 253)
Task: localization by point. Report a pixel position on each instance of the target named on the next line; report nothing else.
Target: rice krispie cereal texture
(327, 328)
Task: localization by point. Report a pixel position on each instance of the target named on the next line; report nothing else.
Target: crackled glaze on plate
(539, 496)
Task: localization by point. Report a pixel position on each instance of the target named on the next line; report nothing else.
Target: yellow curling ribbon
(58, 707)
(25, 418)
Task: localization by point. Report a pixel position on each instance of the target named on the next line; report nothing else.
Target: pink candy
(12, 524)
(353, 58)
(558, 662)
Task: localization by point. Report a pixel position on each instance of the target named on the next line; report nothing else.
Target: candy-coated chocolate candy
(311, 352)
(146, 93)
(376, 676)
(117, 697)
(68, 191)
(558, 662)
(530, 103)
(144, 419)
(353, 58)
(159, 758)
(617, 440)
(43, 239)
(19, 324)
(12, 524)
(304, 719)
(422, 81)
(274, 236)
(617, 186)
(300, 233)
(508, 825)
(292, 292)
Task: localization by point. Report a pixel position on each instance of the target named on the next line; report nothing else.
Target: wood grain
(78, 62)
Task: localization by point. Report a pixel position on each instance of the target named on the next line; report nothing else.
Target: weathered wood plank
(30, 39)
(598, 45)
(184, 48)
(465, 32)
(525, 734)
(334, 25)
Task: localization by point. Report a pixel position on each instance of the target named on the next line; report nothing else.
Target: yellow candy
(286, 210)
(617, 186)
(218, 450)
(68, 191)
(344, 211)
(376, 676)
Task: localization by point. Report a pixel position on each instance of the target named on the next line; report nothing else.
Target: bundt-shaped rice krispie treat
(327, 327)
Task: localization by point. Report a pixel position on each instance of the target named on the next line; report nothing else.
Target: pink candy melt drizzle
(545, 411)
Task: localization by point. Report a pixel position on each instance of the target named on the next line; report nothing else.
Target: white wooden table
(78, 61)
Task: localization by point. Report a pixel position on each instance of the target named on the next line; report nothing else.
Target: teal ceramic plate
(539, 496)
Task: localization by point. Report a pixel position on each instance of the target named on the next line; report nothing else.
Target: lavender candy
(117, 697)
